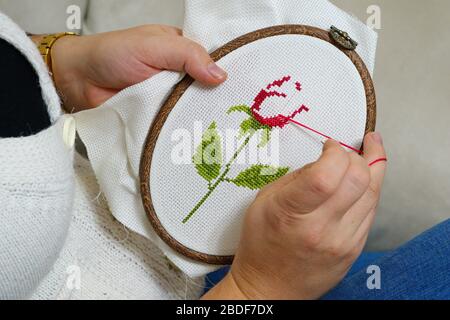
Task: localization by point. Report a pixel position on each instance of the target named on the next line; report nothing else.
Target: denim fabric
(419, 269)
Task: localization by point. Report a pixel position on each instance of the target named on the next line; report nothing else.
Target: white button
(69, 131)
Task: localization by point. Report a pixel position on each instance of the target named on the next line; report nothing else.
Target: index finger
(375, 155)
(360, 217)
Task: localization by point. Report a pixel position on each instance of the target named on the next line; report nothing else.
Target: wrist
(227, 289)
(36, 38)
(64, 54)
(258, 280)
(68, 57)
(46, 44)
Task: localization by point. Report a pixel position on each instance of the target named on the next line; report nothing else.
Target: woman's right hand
(303, 232)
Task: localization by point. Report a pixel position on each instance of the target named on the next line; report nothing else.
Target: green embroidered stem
(219, 179)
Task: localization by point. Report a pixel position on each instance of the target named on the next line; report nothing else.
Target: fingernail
(377, 138)
(216, 71)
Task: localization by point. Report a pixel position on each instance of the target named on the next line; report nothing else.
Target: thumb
(312, 185)
(181, 54)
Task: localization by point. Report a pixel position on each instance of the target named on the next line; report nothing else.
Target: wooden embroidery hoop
(183, 85)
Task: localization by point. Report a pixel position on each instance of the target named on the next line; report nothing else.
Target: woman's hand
(303, 232)
(90, 69)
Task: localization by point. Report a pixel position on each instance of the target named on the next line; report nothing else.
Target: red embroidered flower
(269, 96)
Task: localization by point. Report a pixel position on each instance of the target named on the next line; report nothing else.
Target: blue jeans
(419, 269)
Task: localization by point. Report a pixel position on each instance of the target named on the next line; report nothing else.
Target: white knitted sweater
(58, 239)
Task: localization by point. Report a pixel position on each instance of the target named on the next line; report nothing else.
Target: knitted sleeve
(52, 219)
(36, 173)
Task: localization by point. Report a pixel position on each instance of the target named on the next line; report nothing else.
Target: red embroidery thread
(377, 161)
(361, 152)
(278, 83)
(278, 120)
(281, 120)
(253, 177)
(324, 135)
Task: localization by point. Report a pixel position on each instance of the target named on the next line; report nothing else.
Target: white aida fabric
(331, 89)
(58, 237)
(115, 132)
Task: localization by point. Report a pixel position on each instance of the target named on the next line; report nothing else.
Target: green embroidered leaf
(258, 176)
(241, 108)
(249, 125)
(208, 156)
(265, 137)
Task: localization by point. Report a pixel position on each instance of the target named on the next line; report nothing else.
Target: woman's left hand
(88, 70)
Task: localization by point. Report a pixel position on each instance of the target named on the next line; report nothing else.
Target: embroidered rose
(276, 97)
(268, 105)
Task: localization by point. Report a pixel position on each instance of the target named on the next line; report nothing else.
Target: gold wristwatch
(46, 44)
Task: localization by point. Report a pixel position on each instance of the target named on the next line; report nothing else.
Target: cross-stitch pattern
(309, 72)
(208, 156)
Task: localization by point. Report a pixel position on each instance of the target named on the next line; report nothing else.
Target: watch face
(212, 149)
